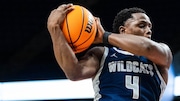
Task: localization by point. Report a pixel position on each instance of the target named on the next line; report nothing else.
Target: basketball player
(134, 69)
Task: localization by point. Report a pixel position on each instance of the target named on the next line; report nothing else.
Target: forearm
(62, 51)
(134, 44)
(142, 46)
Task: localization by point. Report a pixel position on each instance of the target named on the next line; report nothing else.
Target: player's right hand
(58, 15)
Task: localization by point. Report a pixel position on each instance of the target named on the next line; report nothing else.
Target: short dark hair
(123, 16)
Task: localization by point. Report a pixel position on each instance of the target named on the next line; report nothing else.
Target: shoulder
(93, 51)
(160, 54)
(165, 46)
(96, 51)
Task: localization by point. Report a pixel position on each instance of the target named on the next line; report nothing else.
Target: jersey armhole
(106, 50)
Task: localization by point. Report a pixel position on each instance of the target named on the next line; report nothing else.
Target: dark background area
(25, 45)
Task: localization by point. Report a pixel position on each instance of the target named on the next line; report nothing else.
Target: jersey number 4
(132, 82)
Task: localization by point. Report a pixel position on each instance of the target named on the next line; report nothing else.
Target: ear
(121, 29)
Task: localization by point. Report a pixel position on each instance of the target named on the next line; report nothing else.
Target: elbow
(73, 76)
(159, 54)
(169, 58)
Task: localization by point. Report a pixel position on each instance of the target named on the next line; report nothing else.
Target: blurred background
(26, 52)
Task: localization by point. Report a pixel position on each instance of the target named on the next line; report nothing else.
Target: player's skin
(134, 37)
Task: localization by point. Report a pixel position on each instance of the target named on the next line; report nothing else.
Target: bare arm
(66, 58)
(159, 53)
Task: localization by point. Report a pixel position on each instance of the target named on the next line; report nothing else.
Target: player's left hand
(99, 33)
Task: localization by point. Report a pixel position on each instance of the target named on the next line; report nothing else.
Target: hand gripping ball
(79, 28)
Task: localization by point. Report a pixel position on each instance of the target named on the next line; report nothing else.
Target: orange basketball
(79, 28)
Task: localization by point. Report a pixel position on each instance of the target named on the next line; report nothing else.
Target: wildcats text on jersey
(131, 66)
